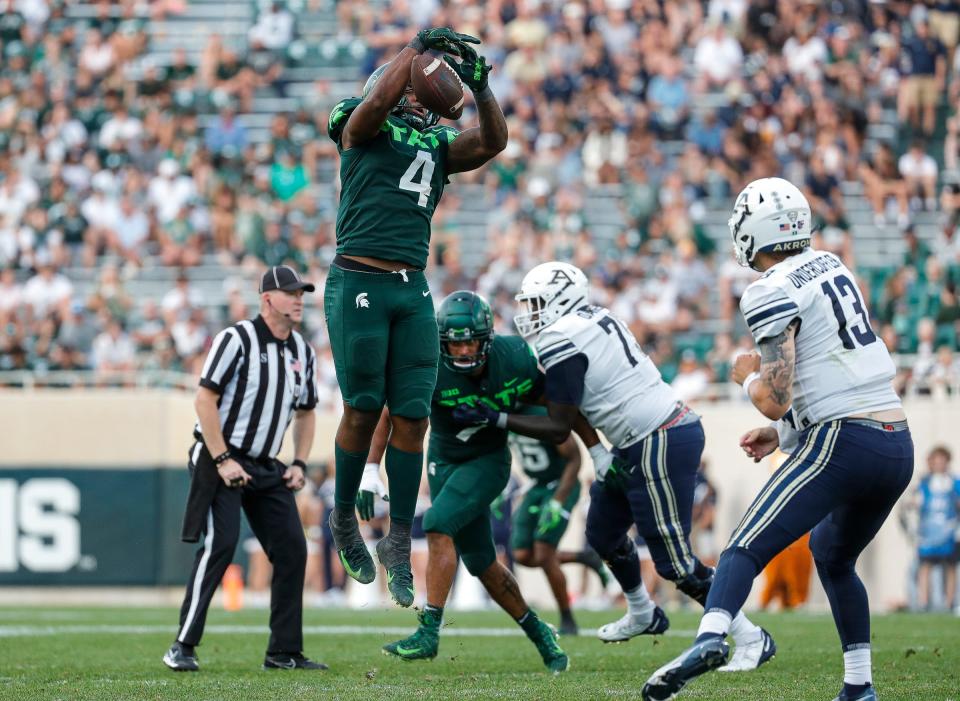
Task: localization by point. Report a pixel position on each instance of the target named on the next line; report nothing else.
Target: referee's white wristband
(502, 419)
(748, 380)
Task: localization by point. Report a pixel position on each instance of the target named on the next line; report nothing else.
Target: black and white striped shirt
(261, 381)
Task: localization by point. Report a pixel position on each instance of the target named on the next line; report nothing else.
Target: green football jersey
(540, 460)
(389, 188)
(509, 378)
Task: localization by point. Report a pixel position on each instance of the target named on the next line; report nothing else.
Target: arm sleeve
(339, 116)
(565, 380)
(308, 400)
(221, 361)
(767, 310)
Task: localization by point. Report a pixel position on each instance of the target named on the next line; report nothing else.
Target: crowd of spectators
(114, 163)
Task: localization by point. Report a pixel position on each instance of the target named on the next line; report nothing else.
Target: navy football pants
(842, 481)
(658, 499)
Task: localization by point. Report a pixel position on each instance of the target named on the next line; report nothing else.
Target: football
(436, 85)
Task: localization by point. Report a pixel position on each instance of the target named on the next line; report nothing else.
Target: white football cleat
(750, 655)
(628, 627)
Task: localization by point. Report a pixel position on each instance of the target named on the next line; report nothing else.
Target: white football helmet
(771, 214)
(548, 292)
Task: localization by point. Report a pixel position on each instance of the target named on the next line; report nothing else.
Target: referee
(259, 375)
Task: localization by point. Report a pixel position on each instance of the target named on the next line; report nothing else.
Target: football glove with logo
(442, 39)
(552, 516)
(472, 69)
(610, 470)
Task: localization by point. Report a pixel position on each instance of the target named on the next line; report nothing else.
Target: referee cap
(283, 277)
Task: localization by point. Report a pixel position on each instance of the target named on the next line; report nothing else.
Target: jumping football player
(394, 164)
(822, 369)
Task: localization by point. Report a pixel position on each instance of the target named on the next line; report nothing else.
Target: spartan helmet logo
(362, 301)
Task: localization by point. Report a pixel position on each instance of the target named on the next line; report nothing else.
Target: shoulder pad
(339, 115)
(767, 309)
(444, 133)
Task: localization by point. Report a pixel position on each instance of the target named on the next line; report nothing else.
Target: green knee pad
(478, 562)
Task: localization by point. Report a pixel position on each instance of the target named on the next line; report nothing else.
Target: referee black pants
(272, 513)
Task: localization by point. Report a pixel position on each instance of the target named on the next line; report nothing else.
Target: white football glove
(371, 486)
(602, 460)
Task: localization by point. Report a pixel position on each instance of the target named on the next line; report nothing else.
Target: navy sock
(624, 563)
(854, 690)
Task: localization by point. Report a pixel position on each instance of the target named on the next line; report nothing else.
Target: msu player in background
(542, 517)
(594, 365)
(823, 371)
(394, 164)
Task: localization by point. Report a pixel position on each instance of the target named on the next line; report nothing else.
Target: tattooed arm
(768, 377)
(772, 393)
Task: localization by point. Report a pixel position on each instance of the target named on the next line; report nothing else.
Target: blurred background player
(377, 303)
(468, 468)
(542, 517)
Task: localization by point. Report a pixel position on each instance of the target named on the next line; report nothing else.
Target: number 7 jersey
(624, 395)
(389, 188)
(842, 366)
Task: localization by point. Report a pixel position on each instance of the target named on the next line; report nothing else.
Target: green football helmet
(465, 316)
(412, 118)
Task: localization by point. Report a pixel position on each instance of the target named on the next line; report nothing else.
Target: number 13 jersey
(623, 393)
(842, 366)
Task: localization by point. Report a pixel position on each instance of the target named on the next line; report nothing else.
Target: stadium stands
(138, 143)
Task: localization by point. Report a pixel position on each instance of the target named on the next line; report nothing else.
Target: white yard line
(22, 631)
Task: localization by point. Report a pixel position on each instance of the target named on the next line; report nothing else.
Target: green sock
(349, 473)
(529, 622)
(403, 476)
(433, 616)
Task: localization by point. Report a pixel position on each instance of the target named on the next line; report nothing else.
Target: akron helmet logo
(560, 276)
(362, 301)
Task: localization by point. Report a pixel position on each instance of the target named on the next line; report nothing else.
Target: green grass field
(114, 653)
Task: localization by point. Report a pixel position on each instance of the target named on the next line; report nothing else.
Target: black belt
(356, 266)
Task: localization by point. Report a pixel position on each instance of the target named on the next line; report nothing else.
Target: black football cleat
(868, 694)
(698, 659)
(180, 661)
(282, 660)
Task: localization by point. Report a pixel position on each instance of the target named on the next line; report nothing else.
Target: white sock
(716, 622)
(856, 666)
(639, 603)
(743, 629)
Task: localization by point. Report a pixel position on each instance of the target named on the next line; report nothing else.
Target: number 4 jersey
(842, 367)
(390, 186)
(623, 393)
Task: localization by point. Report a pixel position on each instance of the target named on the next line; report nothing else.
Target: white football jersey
(623, 394)
(842, 366)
